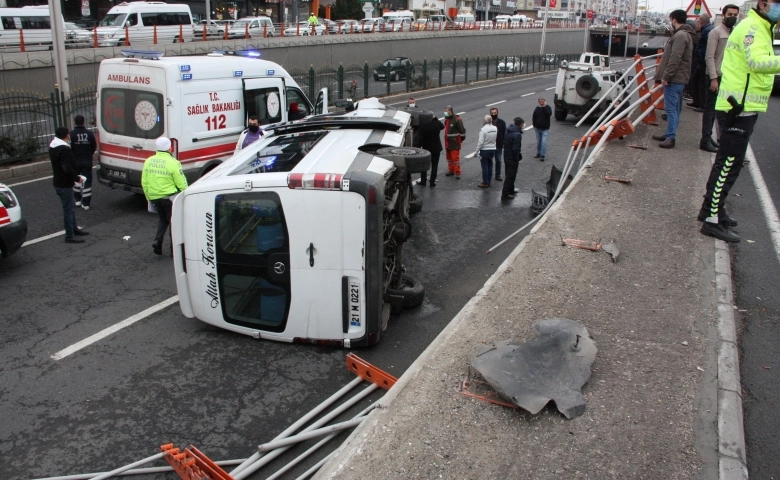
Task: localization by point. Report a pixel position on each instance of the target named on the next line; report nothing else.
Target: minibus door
(321, 105)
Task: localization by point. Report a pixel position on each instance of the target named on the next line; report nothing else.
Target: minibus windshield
(113, 20)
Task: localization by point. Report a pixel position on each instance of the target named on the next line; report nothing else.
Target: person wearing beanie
(295, 112)
(161, 179)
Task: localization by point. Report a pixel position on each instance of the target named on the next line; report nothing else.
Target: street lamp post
(58, 46)
(544, 25)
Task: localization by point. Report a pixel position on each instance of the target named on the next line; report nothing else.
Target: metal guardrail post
(340, 77)
(425, 73)
(454, 68)
(441, 67)
(477, 79)
(487, 68)
(312, 82)
(365, 80)
(466, 77)
(387, 78)
(408, 71)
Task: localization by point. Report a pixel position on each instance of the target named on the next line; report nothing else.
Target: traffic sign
(590, 14)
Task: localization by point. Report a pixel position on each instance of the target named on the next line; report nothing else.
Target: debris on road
(583, 244)
(553, 366)
(640, 147)
(610, 178)
(612, 249)
(126, 238)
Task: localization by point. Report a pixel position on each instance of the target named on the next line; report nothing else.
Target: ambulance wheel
(412, 292)
(415, 204)
(417, 159)
(560, 115)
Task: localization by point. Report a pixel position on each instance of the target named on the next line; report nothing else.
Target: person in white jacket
(486, 149)
(250, 135)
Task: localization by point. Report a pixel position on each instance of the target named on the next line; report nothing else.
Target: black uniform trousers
(511, 162)
(164, 210)
(728, 162)
(708, 117)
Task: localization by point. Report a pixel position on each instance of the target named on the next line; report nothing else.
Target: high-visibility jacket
(162, 176)
(749, 58)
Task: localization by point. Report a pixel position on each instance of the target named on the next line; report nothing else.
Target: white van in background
(399, 21)
(464, 20)
(138, 20)
(201, 103)
(34, 21)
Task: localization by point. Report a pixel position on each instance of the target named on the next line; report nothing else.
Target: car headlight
(374, 72)
(7, 199)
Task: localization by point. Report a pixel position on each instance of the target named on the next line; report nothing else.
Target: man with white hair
(699, 83)
(161, 179)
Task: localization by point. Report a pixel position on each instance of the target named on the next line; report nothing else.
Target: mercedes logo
(279, 268)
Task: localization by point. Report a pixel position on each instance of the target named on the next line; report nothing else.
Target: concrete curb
(731, 432)
(24, 170)
(354, 443)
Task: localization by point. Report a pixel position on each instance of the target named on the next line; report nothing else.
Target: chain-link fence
(28, 121)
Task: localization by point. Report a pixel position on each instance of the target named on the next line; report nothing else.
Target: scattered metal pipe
(250, 469)
(319, 432)
(302, 421)
(308, 473)
(146, 460)
(314, 448)
(136, 471)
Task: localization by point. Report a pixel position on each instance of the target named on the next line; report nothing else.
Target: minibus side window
(132, 20)
(265, 103)
(8, 23)
(35, 23)
(184, 19)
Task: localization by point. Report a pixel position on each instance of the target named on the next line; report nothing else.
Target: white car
(77, 36)
(213, 28)
(13, 227)
(510, 65)
(255, 27)
(372, 25)
(303, 28)
(346, 26)
(300, 236)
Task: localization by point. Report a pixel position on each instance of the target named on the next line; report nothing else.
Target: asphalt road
(756, 270)
(168, 378)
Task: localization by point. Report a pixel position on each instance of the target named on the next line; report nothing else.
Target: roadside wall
(34, 71)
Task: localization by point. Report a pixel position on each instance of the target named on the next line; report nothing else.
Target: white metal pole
(58, 46)
(544, 25)
(609, 41)
(146, 460)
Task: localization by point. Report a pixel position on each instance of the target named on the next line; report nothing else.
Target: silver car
(510, 65)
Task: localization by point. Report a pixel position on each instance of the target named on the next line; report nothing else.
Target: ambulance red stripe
(189, 156)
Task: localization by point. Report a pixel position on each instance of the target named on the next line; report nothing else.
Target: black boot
(708, 147)
(719, 231)
(723, 218)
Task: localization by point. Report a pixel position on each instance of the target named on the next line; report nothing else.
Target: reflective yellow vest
(749, 52)
(162, 176)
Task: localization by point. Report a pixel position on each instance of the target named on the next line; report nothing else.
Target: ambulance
(201, 103)
(300, 236)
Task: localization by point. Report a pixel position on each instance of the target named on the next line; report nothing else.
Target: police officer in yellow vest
(161, 179)
(749, 66)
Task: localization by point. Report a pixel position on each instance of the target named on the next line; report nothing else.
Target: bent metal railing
(28, 120)
(614, 122)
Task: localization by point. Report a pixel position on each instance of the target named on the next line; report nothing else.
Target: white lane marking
(29, 181)
(470, 155)
(523, 79)
(36, 180)
(460, 113)
(496, 103)
(526, 94)
(528, 128)
(114, 328)
(45, 237)
(770, 212)
(549, 88)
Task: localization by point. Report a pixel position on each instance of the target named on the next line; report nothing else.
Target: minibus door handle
(138, 147)
(311, 254)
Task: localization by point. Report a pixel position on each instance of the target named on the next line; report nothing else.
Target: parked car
(327, 23)
(396, 67)
(213, 28)
(303, 29)
(510, 65)
(346, 26)
(77, 36)
(13, 226)
(372, 25)
(254, 26)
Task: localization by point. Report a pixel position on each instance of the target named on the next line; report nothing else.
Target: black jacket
(501, 131)
(82, 144)
(62, 164)
(700, 49)
(429, 136)
(541, 117)
(513, 142)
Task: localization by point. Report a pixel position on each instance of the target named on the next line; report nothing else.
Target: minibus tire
(412, 294)
(418, 160)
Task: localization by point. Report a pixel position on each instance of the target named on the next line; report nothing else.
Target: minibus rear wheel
(412, 292)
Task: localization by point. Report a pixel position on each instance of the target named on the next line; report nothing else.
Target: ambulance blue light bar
(239, 53)
(186, 76)
(147, 54)
(184, 68)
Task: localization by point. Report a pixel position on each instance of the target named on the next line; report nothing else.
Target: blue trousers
(499, 157)
(486, 159)
(68, 210)
(673, 94)
(541, 141)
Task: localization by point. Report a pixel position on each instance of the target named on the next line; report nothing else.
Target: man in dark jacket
(428, 137)
(674, 71)
(541, 123)
(501, 131)
(699, 81)
(83, 146)
(64, 179)
(513, 142)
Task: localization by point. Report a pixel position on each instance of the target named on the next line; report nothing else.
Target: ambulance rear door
(132, 101)
(264, 97)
